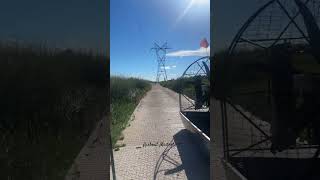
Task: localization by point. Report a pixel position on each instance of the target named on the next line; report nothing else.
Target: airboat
(269, 93)
(194, 101)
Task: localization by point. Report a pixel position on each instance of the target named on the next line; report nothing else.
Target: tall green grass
(37, 139)
(173, 84)
(183, 85)
(125, 96)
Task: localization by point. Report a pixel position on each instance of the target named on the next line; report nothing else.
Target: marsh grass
(37, 140)
(126, 93)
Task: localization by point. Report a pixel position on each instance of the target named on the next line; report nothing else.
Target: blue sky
(136, 24)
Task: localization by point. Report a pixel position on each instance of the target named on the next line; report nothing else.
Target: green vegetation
(125, 96)
(173, 84)
(51, 101)
(244, 79)
(184, 85)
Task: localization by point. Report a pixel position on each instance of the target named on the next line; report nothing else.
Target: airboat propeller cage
(194, 102)
(195, 85)
(252, 119)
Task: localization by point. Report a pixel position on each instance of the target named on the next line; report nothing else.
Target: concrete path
(157, 145)
(92, 161)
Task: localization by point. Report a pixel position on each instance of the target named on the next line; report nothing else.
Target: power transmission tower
(161, 58)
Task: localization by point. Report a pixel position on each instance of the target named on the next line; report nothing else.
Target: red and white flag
(204, 43)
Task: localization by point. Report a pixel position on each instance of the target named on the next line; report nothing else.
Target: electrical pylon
(161, 58)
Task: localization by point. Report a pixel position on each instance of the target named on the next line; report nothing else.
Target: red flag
(204, 43)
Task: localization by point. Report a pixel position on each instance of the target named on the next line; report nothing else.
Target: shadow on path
(194, 163)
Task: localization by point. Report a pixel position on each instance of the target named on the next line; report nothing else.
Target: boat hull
(198, 123)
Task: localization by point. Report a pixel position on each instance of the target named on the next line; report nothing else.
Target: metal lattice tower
(161, 58)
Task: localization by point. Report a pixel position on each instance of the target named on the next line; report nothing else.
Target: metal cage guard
(261, 138)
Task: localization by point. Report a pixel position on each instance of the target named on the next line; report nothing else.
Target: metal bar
(246, 117)
(201, 68)
(206, 57)
(284, 30)
(253, 43)
(246, 24)
(263, 149)
(241, 40)
(188, 99)
(287, 13)
(249, 147)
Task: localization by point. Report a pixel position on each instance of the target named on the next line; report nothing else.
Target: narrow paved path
(157, 145)
(91, 162)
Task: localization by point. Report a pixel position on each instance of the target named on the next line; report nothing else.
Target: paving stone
(91, 162)
(156, 121)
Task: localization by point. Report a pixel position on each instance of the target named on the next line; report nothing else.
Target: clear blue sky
(136, 24)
